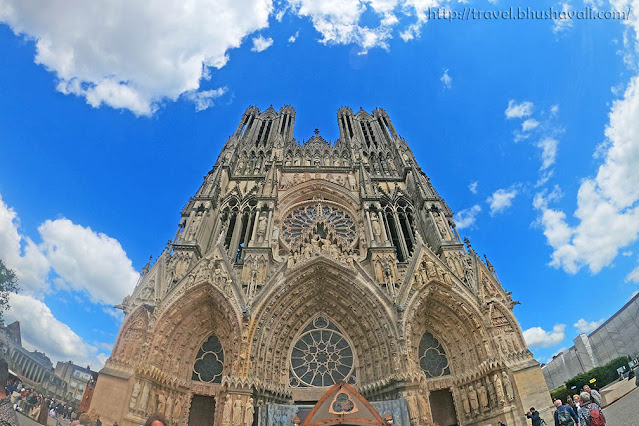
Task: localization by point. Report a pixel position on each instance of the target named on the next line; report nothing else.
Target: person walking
(595, 396)
(565, 415)
(534, 416)
(590, 413)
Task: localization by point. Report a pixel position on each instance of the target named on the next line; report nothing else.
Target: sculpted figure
(413, 409)
(499, 389)
(465, 403)
(261, 229)
(134, 396)
(248, 412)
(483, 396)
(227, 414)
(377, 229)
(177, 410)
(474, 402)
(168, 412)
(424, 407)
(508, 386)
(145, 397)
(237, 412)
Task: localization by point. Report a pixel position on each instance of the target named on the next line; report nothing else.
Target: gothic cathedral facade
(297, 266)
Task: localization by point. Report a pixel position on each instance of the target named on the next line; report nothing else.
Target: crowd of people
(582, 409)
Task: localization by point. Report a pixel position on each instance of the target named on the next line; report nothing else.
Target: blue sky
(110, 116)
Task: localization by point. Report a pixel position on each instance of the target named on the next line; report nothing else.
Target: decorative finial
(316, 132)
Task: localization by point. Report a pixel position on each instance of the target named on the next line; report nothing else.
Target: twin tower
(312, 282)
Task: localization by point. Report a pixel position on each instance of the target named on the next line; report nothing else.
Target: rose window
(209, 362)
(432, 357)
(321, 357)
(318, 219)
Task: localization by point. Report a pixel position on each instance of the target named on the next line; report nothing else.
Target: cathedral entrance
(443, 408)
(202, 411)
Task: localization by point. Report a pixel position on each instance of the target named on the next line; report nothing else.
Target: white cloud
(261, 43)
(608, 204)
(548, 152)
(466, 218)
(473, 187)
(41, 330)
(529, 124)
(584, 326)
(338, 21)
(204, 98)
(117, 314)
(500, 200)
(538, 337)
(129, 54)
(447, 80)
(293, 38)
(20, 253)
(521, 110)
(554, 110)
(88, 261)
(627, 253)
(633, 276)
(563, 21)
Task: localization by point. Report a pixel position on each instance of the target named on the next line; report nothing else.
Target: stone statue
(168, 412)
(424, 407)
(483, 396)
(377, 229)
(134, 396)
(248, 412)
(508, 386)
(237, 412)
(499, 390)
(145, 397)
(474, 402)
(413, 409)
(465, 403)
(227, 414)
(177, 409)
(261, 229)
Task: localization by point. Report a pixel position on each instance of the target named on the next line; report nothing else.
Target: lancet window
(399, 222)
(240, 224)
(209, 361)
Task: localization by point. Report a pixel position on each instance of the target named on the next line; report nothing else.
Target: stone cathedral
(319, 282)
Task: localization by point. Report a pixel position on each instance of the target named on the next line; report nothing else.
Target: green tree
(8, 284)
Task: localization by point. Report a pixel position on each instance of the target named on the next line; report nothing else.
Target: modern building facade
(297, 266)
(618, 336)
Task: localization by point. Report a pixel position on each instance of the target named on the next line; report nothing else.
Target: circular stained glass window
(432, 357)
(318, 218)
(209, 362)
(321, 356)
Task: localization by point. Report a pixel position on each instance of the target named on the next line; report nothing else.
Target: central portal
(202, 411)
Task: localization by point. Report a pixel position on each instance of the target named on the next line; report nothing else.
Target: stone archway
(324, 288)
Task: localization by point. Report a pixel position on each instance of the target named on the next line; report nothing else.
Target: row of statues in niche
(347, 181)
(317, 161)
(247, 167)
(148, 399)
(379, 166)
(486, 394)
(236, 413)
(314, 245)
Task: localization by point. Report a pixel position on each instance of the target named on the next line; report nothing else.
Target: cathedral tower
(300, 265)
